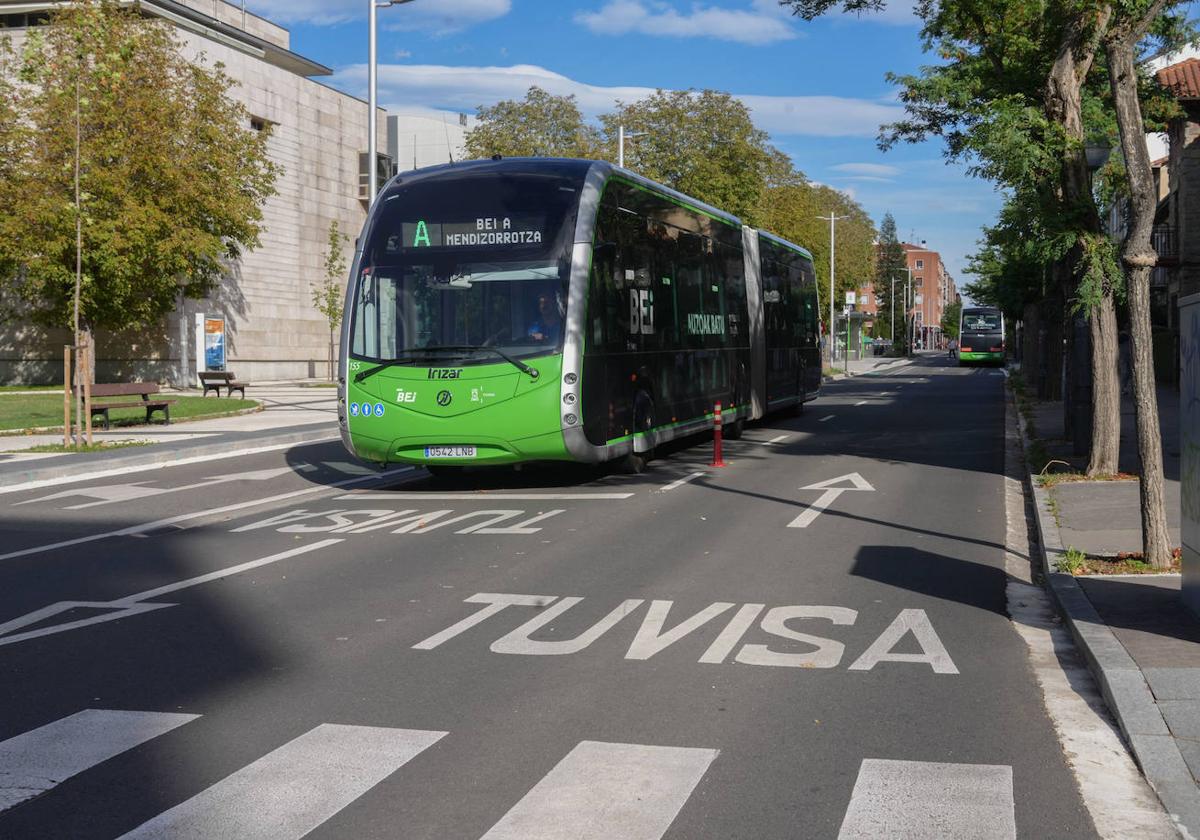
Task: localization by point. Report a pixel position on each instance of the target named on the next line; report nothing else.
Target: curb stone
(164, 456)
(1121, 681)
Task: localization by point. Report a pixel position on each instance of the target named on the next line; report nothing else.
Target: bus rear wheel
(635, 463)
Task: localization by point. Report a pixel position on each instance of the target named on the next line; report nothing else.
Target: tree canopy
(540, 125)
(172, 177)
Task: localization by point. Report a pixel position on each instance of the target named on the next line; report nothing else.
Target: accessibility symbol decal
(378, 409)
(353, 409)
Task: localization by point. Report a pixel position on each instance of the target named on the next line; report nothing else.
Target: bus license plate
(449, 451)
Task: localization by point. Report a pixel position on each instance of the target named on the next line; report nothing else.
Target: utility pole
(621, 135)
(833, 220)
(372, 83)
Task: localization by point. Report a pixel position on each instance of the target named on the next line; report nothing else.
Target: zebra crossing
(597, 790)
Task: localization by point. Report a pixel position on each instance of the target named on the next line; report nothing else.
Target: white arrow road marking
(483, 497)
(827, 498)
(137, 490)
(132, 604)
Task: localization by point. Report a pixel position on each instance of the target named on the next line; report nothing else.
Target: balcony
(1165, 241)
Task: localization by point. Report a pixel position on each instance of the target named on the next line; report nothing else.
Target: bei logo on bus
(641, 311)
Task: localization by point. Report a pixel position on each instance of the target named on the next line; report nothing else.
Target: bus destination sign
(490, 230)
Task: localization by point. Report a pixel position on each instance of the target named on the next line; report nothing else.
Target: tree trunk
(1139, 257)
(1106, 391)
(1063, 104)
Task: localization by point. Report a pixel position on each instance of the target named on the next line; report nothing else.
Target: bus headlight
(570, 419)
(569, 399)
(571, 378)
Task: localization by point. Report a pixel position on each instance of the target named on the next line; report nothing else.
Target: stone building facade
(318, 135)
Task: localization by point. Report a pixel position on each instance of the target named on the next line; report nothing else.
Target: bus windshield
(453, 265)
(980, 322)
(448, 307)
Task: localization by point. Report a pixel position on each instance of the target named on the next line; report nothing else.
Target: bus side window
(689, 280)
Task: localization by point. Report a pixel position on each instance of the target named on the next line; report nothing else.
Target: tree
(171, 180)
(890, 267)
(951, 316)
(329, 296)
(1011, 96)
(795, 212)
(1133, 22)
(702, 143)
(540, 125)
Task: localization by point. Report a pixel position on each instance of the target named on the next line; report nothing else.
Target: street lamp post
(621, 135)
(833, 220)
(372, 79)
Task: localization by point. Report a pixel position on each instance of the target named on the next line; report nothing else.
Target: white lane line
(775, 440)
(291, 791)
(679, 482)
(132, 604)
(37, 761)
(860, 402)
(198, 459)
(822, 420)
(920, 799)
(482, 497)
(602, 790)
(107, 494)
(197, 514)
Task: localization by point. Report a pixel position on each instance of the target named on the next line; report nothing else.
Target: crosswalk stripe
(604, 790)
(922, 800)
(36, 761)
(292, 790)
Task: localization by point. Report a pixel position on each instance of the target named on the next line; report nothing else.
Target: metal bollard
(716, 460)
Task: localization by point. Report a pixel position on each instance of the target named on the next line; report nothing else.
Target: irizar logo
(445, 373)
(403, 396)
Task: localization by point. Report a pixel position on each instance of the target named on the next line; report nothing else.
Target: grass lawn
(4, 388)
(35, 411)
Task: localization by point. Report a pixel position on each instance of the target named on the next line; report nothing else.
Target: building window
(917, 281)
(920, 264)
(19, 21)
(258, 123)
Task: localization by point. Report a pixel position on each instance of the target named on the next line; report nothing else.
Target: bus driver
(547, 327)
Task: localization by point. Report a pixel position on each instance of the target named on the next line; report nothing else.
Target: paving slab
(1103, 517)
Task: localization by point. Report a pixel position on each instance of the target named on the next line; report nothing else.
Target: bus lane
(787, 671)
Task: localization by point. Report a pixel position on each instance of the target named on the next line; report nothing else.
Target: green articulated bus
(981, 335)
(535, 309)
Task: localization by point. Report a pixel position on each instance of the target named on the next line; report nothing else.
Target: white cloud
(871, 170)
(761, 24)
(436, 16)
(466, 88)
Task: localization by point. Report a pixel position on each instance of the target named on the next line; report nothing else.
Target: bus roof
(779, 240)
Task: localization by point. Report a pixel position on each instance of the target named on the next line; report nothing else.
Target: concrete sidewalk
(291, 413)
(1141, 643)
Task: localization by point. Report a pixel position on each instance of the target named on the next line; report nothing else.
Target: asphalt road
(290, 643)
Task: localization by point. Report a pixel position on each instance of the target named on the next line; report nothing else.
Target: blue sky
(817, 88)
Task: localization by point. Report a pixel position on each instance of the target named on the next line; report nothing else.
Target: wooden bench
(214, 380)
(131, 389)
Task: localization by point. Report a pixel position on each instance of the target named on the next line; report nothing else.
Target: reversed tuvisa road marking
(920, 799)
(603, 790)
(679, 482)
(291, 791)
(132, 604)
(484, 497)
(134, 530)
(39, 760)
